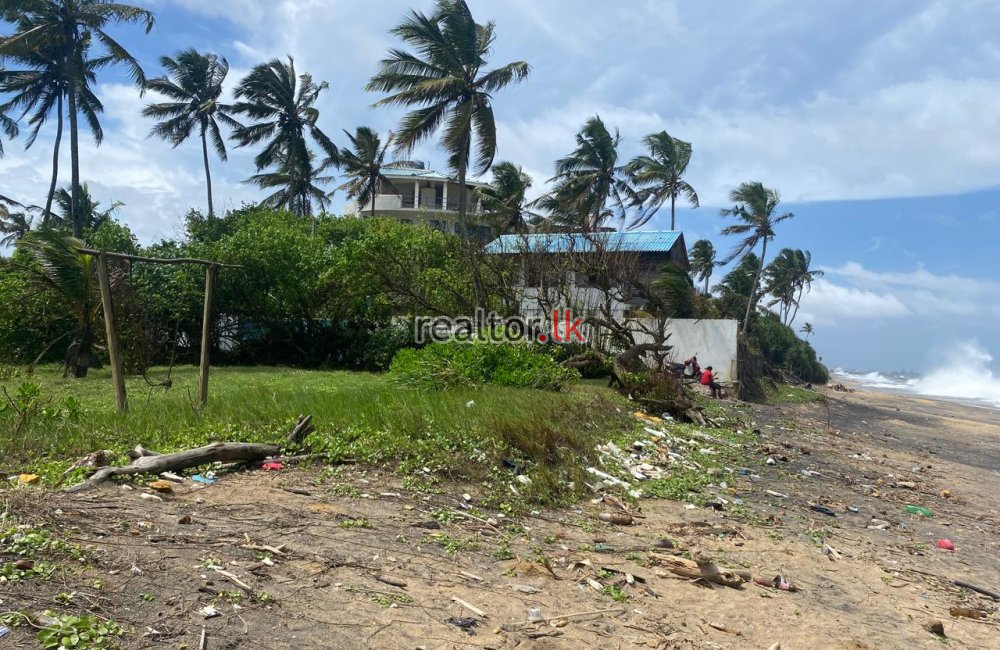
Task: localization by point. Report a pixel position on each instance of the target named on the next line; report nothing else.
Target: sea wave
(969, 378)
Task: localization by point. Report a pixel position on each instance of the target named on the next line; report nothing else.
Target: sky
(877, 123)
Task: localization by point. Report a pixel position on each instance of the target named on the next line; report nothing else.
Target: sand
(343, 543)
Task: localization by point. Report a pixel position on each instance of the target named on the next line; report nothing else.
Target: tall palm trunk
(751, 303)
(706, 283)
(74, 154)
(55, 162)
(673, 201)
(463, 220)
(208, 173)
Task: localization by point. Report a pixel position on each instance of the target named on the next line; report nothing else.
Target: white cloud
(853, 293)
(900, 105)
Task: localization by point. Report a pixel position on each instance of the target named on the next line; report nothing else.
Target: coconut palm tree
(363, 165)
(38, 89)
(788, 276)
(702, 258)
(8, 125)
(86, 209)
(735, 289)
(808, 330)
(194, 83)
(295, 188)
(61, 267)
(282, 105)
(14, 225)
(658, 176)
(756, 207)
(65, 29)
(504, 199)
(589, 182)
(446, 85)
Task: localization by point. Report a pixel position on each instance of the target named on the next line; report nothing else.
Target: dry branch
(699, 571)
(215, 452)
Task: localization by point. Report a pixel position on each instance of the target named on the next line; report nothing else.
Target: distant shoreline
(904, 393)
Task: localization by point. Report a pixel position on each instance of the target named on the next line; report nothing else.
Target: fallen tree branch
(699, 571)
(215, 452)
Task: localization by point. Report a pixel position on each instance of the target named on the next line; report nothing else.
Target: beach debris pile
(652, 456)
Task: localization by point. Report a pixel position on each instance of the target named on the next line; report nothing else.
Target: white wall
(714, 341)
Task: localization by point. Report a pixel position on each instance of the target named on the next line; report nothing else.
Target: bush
(782, 349)
(597, 366)
(444, 365)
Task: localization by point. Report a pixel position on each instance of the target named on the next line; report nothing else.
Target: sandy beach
(828, 513)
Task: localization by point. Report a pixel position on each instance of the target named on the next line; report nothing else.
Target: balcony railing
(410, 203)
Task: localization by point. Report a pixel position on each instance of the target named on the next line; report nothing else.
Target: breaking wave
(968, 378)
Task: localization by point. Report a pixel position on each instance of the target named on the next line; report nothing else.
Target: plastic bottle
(917, 510)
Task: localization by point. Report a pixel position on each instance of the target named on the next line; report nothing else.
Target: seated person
(708, 379)
(692, 363)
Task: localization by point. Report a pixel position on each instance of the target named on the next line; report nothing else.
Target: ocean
(968, 378)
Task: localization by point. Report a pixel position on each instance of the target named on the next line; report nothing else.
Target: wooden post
(206, 334)
(112, 334)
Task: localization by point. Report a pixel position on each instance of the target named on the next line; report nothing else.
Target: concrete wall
(714, 341)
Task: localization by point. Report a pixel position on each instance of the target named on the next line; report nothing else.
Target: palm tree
(86, 209)
(7, 125)
(363, 166)
(504, 199)
(13, 225)
(39, 89)
(295, 188)
(446, 80)
(61, 267)
(788, 277)
(808, 330)
(590, 178)
(66, 29)
(802, 278)
(282, 105)
(756, 206)
(194, 83)
(736, 287)
(702, 258)
(658, 176)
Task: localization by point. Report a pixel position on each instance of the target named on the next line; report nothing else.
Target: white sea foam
(967, 377)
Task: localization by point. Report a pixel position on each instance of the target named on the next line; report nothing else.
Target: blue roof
(640, 241)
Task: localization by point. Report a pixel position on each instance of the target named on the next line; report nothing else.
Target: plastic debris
(946, 544)
(207, 480)
(4, 631)
(776, 494)
(917, 510)
(534, 614)
(272, 466)
(28, 479)
(823, 510)
(878, 524)
(210, 612)
(853, 509)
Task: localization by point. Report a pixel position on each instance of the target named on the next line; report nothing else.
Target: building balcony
(394, 202)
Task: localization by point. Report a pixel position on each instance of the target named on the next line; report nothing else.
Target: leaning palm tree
(504, 199)
(59, 265)
(194, 84)
(658, 176)
(755, 206)
(445, 84)
(702, 258)
(802, 278)
(589, 182)
(808, 330)
(363, 165)
(67, 28)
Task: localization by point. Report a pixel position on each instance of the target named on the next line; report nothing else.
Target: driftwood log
(703, 570)
(149, 462)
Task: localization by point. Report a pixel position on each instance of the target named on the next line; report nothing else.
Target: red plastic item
(271, 466)
(946, 544)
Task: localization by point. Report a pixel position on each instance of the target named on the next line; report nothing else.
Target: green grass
(788, 394)
(359, 415)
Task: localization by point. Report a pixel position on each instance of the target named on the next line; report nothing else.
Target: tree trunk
(673, 201)
(55, 162)
(795, 313)
(81, 361)
(706, 283)
(751, 303)
(74, 152)
(463, 220)
(208, 173)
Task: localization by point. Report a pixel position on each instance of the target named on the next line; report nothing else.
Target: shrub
(782, 349)
(443, 365)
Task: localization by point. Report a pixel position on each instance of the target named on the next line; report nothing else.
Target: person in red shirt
(708, 379)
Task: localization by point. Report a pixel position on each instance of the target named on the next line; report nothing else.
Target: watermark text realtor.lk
(491, 328)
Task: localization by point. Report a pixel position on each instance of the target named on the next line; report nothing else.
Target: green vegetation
(363, 416)
(445, 365)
